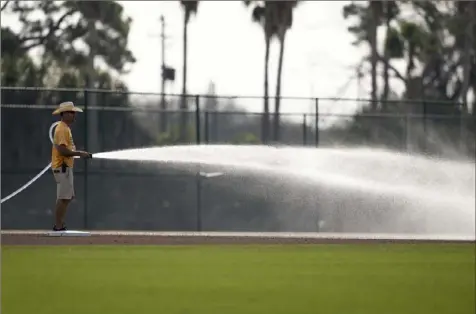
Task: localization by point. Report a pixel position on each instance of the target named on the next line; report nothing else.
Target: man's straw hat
(65, 107)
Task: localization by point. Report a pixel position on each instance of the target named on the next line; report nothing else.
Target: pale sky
(227, 48)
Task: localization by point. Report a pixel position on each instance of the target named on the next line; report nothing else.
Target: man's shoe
(59, 229)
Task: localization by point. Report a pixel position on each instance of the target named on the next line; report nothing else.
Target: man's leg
(60, 212)
(65, 193)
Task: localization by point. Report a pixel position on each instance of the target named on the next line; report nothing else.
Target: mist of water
(352, 190)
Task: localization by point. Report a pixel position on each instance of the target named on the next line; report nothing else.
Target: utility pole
(360, 76)
(167, 73)
(163, 118)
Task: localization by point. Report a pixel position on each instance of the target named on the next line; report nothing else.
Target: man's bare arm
(66, 152)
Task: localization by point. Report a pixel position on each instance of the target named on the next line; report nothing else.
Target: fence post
(425, 135)
(304, 129)
(463, 143)
(199, 202)
(206, 126)
(85, 169)
(409, 122)
(162, 114)
(317, 121)
(407, 132)
(198, 178)
(197, 118)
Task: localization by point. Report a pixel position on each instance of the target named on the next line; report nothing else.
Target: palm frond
(190, 8)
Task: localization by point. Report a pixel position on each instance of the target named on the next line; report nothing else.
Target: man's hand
(83, 154)
(69, 153)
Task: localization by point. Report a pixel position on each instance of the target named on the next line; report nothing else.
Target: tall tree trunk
(183, 103)
(468, 45)
(474, 105)
(277, 103)
(467, 65)
(373, 53)
(386, 86)
(4, 5)
(265, 122)
(43, 76)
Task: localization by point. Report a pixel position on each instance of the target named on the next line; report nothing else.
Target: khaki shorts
(64, 184)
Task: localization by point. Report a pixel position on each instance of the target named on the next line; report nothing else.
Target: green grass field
(344, 279)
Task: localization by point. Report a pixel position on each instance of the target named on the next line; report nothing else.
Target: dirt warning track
(42, 237)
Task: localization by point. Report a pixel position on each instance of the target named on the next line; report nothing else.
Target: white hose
(38, 175)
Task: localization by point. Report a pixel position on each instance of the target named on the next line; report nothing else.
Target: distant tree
(212, 108)
(391, 12)
(438, 45)
(18, 69)
(211, 102)
(369, 18)
(262, 13)
(283, 12)
(189, 8)
(11, 43)
(440, 65)
(5, 5)
(60, 27)
(466, 41)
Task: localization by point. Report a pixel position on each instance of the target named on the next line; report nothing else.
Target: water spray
(355, 190)
(42, 172)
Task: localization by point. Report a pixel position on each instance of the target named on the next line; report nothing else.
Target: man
(62, 161)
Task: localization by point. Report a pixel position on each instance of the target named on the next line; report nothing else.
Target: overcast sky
(227, 48)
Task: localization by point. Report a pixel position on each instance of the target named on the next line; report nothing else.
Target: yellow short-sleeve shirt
(62, 136)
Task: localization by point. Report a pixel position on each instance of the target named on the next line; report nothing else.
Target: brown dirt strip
(124, 238)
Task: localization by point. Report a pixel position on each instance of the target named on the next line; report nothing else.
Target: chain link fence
(118, 195)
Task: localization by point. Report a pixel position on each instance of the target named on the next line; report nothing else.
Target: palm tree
(414, 39)
(375, 13)
(467, 10)
(262, 14)
(283, 12)
(366, 30)
(189, 8)
(392, 10)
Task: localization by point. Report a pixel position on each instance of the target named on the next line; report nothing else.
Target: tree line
(435, 39)
(59, 31)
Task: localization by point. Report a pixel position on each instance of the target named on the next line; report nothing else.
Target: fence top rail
(316, 99)
(246, 113)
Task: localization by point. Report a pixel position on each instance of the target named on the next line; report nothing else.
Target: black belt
(62, 170)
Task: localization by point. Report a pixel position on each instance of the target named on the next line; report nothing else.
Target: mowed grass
(288, 279)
